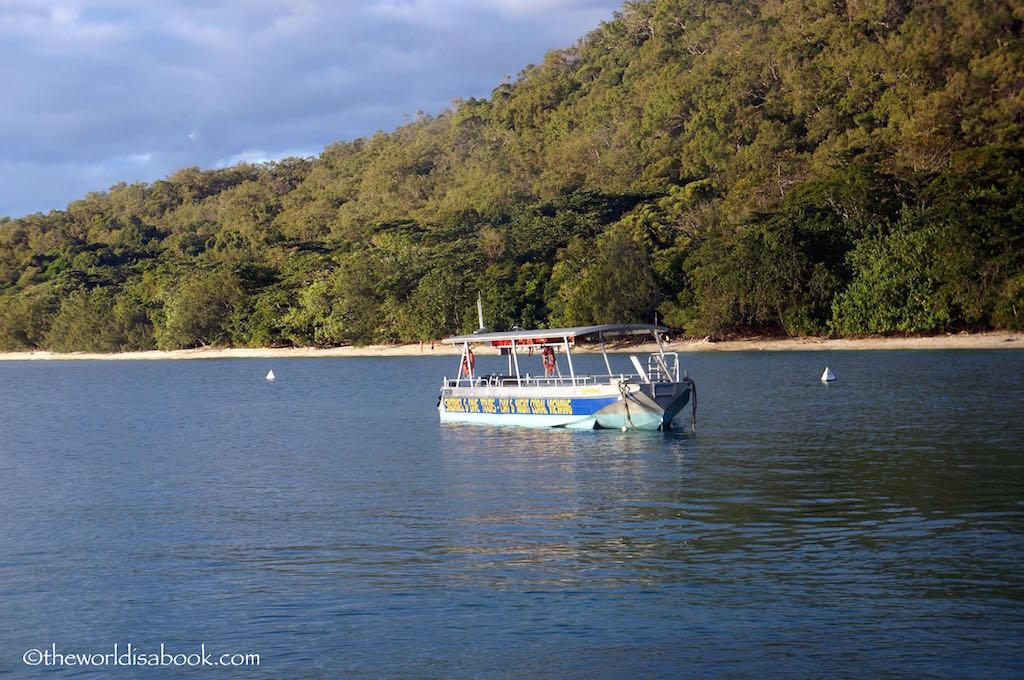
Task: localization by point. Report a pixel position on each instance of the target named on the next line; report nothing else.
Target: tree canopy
(776, 166)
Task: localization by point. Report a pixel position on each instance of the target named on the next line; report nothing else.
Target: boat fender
(468, 362)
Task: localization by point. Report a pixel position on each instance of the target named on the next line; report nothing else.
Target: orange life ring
(549, 359)
(468, 362)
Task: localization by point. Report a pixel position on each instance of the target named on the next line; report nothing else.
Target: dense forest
(727, 167)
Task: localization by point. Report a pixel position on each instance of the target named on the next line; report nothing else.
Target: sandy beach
(993, 340)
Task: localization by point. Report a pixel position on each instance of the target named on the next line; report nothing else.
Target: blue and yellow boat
(650, 397)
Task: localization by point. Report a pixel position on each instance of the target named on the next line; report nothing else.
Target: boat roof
(553, 336)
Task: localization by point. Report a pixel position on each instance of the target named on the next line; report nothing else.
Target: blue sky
(101, 91)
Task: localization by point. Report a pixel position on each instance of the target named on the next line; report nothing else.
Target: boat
(649, 397)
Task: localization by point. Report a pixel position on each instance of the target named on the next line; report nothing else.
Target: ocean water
(328, 523)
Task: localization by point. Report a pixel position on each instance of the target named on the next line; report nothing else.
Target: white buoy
(270, 375)
(624, 428)
(827, 376)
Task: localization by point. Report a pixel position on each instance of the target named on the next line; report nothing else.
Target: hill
(782, 166)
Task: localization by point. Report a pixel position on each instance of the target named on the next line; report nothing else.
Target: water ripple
(873, 527)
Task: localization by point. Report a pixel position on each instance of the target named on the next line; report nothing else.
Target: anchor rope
(693, 402)
(625, 400)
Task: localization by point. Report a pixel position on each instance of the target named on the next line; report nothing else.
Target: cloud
(255, 156)
(114, 90)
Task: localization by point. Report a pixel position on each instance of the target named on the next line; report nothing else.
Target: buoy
(270, 375)
(624, 428)
(827, 375)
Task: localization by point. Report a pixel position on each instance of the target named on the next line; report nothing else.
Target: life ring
(549, 359)
(468, 362)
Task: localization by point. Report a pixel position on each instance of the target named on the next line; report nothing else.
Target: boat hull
(612, 405)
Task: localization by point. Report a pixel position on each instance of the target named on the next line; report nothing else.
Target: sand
(993, 340)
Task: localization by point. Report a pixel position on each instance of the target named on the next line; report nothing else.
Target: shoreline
(988, 340)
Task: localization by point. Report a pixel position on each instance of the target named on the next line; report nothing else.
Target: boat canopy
(511, 342)
(558, 336)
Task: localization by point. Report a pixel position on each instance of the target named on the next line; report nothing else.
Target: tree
(618, 285)
(737, 166)
(198, 312)
(85, 323)
(25, 318)
(892, 290)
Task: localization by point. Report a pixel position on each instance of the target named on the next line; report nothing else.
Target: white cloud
(256, 156)
(63, 14)
(545, 7)
(195, 82)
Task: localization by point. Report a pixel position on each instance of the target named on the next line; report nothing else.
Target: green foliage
(514, 295)
(892, 290)
(199, 310)
(343, 307)
(260, 321)
(86, 323)
(785, 167)
(133, 313)
(617, 285)
(780, 270)
(751, 279)
(955, 259)
(437, 306)
(25, 318)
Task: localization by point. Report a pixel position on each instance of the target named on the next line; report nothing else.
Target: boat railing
(661, 368)
(655, 373)
(527, 380)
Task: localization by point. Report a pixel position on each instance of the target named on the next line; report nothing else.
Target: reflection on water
(327, 521)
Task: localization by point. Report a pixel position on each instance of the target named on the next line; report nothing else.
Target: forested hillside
(786, 166)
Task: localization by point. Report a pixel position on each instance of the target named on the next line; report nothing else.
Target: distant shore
(993, 340)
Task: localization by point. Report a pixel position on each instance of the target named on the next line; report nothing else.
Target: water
(327, 522)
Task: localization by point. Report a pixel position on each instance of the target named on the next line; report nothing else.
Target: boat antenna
(480, 313)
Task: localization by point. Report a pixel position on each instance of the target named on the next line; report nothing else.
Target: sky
(95, 92)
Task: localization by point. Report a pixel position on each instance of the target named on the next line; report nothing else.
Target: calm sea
(327, 522)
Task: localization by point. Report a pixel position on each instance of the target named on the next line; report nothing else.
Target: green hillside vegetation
(783, 166)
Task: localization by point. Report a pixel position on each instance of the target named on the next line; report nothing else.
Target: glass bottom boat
(651, 397)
